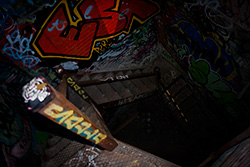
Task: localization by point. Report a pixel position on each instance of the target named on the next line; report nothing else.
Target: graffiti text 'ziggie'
(73, 31)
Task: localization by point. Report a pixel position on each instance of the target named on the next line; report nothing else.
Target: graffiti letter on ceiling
(86, 23)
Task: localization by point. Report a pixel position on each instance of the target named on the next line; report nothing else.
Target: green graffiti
(217, 86)
(201, 72)
(167, 56)
(183, 51)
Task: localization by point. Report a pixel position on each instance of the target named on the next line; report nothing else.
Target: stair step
(96, 94)
(142, 88)
(120, 89)
(148, 84)
(152, 80)
(75, 99)
(123, 73)
(83, 78)
(64, 154)
(109, 92)
(174, 111)
(131, 87)
(57, 147)
(179, 84)
(85, 106)
(53, 140)
(109, 75)
(96, 76)
(137, 71)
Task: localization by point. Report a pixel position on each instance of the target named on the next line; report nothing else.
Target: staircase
(182, 98)
(116, 88)
(90, 93)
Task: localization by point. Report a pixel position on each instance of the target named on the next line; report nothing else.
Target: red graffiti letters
(73, 32)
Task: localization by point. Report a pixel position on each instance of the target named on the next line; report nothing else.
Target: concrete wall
(92, 35)
(209, 40)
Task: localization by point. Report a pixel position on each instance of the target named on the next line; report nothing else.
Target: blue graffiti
(88, 10)
(55, 24)
(123, 14)
(18, 47)
(203, 47)
(6, 22)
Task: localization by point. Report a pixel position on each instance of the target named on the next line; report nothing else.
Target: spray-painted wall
(87, 35)
(210, 40)
(92, 35)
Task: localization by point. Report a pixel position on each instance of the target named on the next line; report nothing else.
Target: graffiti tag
(87, 23)
(56, 24)
(76, 87)
(119, 77)
(73, 122)
(6, 22)
(18, 47)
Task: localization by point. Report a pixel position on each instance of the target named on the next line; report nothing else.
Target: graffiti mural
(206, 39)
(187, 36)
(6, 21)
(201, 72)
(17, 45)
(181, 36)
(135, 50)
(225, 14)
(74, 122)
(87, 28)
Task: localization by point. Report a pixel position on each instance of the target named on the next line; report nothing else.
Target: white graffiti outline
(212, 11)
(80, 158)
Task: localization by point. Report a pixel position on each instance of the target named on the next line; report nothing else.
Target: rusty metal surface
(62, 88)
(63, 112)
(44, 99)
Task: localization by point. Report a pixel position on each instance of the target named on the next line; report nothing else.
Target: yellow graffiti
(76, 87)
(75, 23)
(103, 46)
(74, 123)
(99, 137)
(51, 108)
(82, 124)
